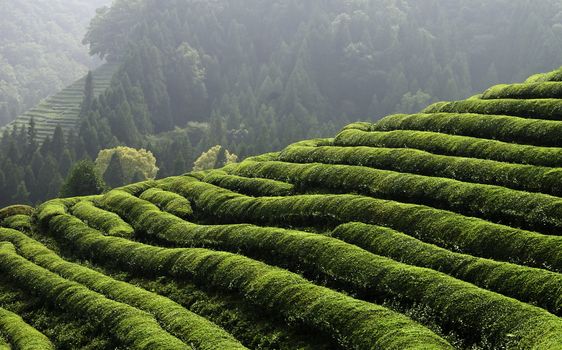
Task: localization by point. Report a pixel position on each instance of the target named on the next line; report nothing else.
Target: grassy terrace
(63, 108)
(437, 230)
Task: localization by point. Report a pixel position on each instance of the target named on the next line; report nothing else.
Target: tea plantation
(63, 108)
(438, 230)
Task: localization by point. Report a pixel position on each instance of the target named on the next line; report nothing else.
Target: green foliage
(517, 176)
(250, 186)
(215, 157)
(131, 160)
(548, 109)
(533, 211)
(83, 180)
(358, 271)
(450, 230)
(76, 298)
(503, 128)
(452, 145)
(168, 201)
(113, 175)
(524, 91)
(20, 334)
(531, 285)
(188, 327)
(104, 221)
(357, 324)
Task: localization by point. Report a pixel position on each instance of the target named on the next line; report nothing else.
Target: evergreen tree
(83, 180)
(113, 175)
(57, 143)
(88, 94)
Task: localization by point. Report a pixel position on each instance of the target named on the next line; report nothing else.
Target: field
(63, 108)
(438, 230)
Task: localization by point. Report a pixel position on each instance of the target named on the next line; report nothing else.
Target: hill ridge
(435, 230)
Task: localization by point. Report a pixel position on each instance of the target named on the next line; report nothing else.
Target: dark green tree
(113, 175)
(83, 180)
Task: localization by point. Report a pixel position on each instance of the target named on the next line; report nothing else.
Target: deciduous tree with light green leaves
(214, 158)
(134, 162)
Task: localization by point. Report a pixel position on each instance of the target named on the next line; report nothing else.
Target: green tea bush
(134, 328)
(168, 201)
(249, 186)
(548, 109)
(453, 231)
(497, 127)
(358, 271)
(105, 221)
(533, 211)
(15, 210)
(355, 324)
(452, 145)
(516, 176)
(187, 326)
(524, 91)
(535, 286)
(20, 335)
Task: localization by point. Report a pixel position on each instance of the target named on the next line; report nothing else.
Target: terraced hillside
(63, 108)
(437, 230)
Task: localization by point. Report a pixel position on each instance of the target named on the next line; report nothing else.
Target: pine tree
(57, 144)
(83, 180)
(22, 194)
(88, 94)
(113, 175)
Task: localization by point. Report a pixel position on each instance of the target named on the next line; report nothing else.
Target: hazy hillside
(41, 50)
(437, 230)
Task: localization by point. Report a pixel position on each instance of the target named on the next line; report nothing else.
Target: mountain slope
(436, 230)
(63, 108)
(41, 50)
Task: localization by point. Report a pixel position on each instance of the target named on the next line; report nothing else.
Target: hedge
(15, 210)
(497, 127)
(461, 146)
(548, 109)
(20, 335)
(168, 201)
(105, 221)
(524, 91)
(536, 286)
(132, 327)
(248, 186)
(453, 231)
(535, 211)
(19, 222)
(359, 271)
(187, 326)
(516, 176)
(355, 324)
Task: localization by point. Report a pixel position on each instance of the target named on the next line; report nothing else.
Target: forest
(195, 74)
(41, 50)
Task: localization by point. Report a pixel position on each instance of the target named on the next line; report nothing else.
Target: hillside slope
(436, 230)
(63, 108)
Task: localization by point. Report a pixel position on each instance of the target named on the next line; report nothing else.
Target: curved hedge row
(446, 229)
(548, 109)
(20, 222)
(536, 286)
(249, 186)
(361, 272)
(134, 328)
(535, 211)
(187, 326)
(516, 176)
(21, 335)
(104, 221)
(497, 127)
(15, 210)
(461, 146)
(168, 201)
(524, 91)
(354, 324)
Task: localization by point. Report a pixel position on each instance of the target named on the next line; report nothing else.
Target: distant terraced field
(63, 108)
(438, 230)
